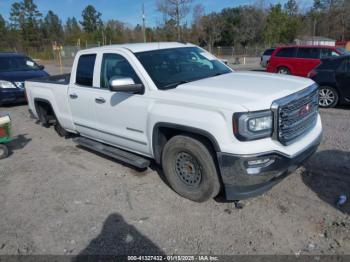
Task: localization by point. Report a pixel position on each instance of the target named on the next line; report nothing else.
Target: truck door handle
(73, 96)
(100, 100)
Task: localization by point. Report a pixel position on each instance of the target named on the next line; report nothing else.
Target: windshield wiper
(173, 85)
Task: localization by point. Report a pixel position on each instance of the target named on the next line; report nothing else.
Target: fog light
(261, 162)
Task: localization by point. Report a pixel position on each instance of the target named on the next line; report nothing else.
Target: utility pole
(143, 23)
(178, 21)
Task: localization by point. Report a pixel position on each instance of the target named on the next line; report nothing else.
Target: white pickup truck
(209, 127)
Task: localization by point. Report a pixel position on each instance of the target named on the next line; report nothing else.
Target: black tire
(328, 97)
(190, 168)
(4, 152)
(283, 70)
(60, 130)
(43, 118)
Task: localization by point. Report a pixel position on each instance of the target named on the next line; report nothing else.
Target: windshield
(170, 67)
(343, 51)
(17, 63)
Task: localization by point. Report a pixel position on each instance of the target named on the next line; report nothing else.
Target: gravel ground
(56, 198)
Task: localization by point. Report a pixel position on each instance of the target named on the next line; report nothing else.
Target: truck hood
(251, 90)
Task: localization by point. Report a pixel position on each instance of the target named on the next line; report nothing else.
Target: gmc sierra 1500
(210, 128)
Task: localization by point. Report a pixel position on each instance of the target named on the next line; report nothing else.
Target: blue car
(15, 68)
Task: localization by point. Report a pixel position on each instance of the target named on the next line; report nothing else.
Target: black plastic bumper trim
(240, 184)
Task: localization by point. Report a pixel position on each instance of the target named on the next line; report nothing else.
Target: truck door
(121, 117)
(81, 95)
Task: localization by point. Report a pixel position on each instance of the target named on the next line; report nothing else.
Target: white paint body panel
(127, 121)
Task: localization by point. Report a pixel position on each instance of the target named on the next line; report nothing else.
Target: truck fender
(158, 141)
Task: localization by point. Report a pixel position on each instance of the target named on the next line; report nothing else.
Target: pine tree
(91, 19)
(52, 28)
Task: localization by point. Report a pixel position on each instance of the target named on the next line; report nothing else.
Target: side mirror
(41, 67)
(125, 84)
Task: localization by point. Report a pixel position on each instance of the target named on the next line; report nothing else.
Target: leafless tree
(250, 25)
(176, 10)
(211, 28)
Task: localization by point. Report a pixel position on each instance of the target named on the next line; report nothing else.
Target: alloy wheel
(327, 97)
(283, 71)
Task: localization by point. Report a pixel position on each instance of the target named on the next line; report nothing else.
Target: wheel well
(45, 112)
(163, 133)
(283, 66)
(329, 85)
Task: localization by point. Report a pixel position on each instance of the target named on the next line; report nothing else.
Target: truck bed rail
(56, 79)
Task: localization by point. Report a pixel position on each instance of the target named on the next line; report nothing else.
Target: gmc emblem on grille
(305, 110)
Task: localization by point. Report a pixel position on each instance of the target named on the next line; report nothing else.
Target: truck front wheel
(190, 169)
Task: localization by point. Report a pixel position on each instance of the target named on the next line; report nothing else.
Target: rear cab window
(85, 70)
(289, 52)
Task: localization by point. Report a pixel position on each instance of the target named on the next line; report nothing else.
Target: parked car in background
(300, 60)
(15, 68)
(266, 57)
(210, 128)
(333, 78)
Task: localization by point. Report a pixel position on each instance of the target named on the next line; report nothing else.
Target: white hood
(251, 90)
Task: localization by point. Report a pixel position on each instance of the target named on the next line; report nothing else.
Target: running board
(113, 152)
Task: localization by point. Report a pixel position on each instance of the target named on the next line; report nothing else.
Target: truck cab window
(85, 70)
(114, 65)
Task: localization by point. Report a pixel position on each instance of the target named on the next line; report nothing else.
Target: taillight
(312, 74)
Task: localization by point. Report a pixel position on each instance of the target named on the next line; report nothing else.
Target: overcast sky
(128, 11)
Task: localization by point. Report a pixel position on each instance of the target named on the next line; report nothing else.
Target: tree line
(30, 31)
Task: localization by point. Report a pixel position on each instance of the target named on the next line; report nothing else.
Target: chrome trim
(286, 100)
(315, 142)
(117, 81)
(111, 134)
(243, 125)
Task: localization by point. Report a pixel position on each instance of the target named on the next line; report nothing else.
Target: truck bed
(56, 79)
(53, 90)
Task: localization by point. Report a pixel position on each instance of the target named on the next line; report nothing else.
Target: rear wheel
(47, 118)
(283, 70)
(190, 169)
(328, 97)
(4, 152)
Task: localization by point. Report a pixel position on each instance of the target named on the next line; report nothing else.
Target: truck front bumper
(12, 95)
(246, 176)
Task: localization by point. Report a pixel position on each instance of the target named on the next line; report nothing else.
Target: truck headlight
(6, 84)
(253, 125)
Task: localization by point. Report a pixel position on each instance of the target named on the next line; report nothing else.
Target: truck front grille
(295, 115)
